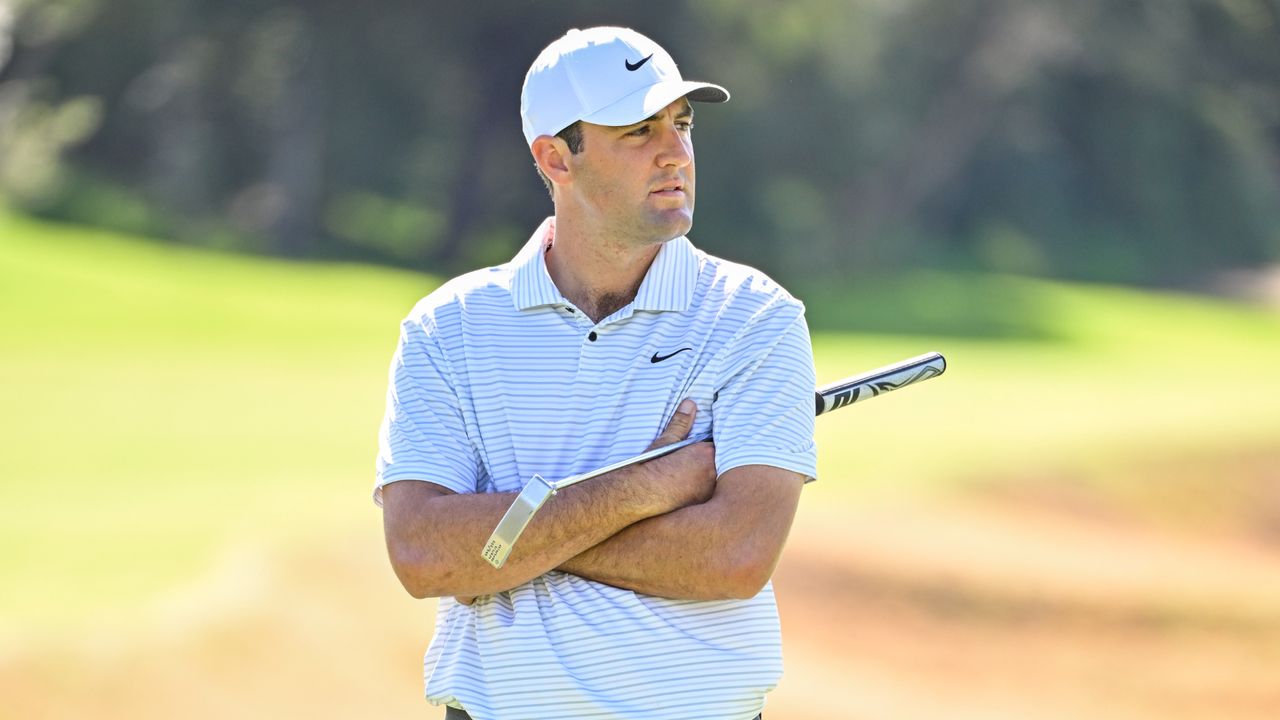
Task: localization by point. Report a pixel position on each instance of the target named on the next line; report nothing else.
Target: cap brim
(646, 102)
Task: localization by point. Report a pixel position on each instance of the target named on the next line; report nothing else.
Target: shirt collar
(531, 284)
(671, 278)
(668, 285)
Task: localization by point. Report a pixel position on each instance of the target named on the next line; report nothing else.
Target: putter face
(516, 519)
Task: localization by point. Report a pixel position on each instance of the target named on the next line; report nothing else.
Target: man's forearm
(434, 537)
(724, 548)
(666, 556)
(438, 551)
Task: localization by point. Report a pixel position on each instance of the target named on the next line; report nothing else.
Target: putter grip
(877, 382)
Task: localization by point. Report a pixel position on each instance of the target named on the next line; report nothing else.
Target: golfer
(643, 593)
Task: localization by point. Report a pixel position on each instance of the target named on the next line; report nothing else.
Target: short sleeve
(763, 411)
(423, 434)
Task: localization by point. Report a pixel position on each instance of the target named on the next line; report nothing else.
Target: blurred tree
(1112, 139)
(39, 122)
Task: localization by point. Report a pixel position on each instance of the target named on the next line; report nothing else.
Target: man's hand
(723, 544)
(694, 465)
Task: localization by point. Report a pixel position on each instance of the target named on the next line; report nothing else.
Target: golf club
(830, 397)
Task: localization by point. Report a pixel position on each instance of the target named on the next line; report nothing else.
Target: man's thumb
(680, 424)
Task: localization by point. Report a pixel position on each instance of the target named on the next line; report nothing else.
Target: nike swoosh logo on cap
(635, 67)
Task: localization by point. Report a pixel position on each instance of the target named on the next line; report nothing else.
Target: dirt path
(988, 612)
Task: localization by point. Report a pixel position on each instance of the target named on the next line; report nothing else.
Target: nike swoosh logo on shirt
(659, 358)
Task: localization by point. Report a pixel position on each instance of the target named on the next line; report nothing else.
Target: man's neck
(597, 273)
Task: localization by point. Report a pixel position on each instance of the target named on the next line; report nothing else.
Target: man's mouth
(669, 188)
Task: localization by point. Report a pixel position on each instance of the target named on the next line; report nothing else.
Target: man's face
(636, 181)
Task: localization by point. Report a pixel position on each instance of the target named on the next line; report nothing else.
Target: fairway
(166, 408)
(162, 402)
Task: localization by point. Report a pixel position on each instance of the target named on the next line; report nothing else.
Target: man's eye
(642, 130)
(685, 126)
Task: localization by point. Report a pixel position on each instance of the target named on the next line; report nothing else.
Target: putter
(839, 394)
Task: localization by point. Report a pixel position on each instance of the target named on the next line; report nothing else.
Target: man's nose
(676, 149)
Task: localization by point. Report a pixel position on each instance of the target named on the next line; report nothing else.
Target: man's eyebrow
(686, 112)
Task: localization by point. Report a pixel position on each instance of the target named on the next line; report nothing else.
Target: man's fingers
(679, 426)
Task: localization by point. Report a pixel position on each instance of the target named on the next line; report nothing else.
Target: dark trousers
(455, 714)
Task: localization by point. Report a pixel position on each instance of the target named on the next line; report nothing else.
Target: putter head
(516, 519)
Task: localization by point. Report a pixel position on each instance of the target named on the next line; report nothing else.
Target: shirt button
(592, 336)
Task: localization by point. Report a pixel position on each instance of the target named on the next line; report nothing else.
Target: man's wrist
(645, 490)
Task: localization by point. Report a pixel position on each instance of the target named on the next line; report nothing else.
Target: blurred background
(213, 216)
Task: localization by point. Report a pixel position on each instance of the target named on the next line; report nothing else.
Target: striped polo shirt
(497, 377)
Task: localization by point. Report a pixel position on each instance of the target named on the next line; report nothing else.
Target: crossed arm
(667, 527)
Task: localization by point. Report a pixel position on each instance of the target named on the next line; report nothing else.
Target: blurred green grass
(1118, 378)
(162, 403)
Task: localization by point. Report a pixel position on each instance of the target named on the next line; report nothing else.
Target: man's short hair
(572, 136)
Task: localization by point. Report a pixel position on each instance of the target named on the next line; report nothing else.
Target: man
(643, 593)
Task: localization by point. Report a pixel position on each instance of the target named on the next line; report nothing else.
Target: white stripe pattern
(497, 377)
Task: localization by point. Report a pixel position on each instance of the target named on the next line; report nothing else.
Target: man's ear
(551, 154)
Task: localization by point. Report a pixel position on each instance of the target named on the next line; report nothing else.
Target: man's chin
(673, 224)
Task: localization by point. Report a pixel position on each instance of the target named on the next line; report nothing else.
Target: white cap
(604, 75)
